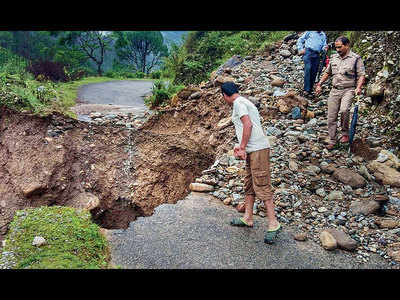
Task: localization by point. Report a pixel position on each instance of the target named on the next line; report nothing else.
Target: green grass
(73, 240)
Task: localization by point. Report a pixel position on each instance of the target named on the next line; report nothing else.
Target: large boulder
(375, 89)
(286, 103)
(384, 174)
(344, 241)
(364, 207)
(349, 177)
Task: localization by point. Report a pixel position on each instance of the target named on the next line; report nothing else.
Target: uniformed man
(347, 69)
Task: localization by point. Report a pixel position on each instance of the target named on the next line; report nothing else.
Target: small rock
(321, 192)
(32, 188)
(293, 165)
(336, 195)
(223, 123)
(322, 209)
(39, 241)
(302, 236)
(227, 201)
(327, 240)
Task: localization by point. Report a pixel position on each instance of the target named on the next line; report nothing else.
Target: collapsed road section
(117, 171)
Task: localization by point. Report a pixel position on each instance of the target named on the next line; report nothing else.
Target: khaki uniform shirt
(343, 71)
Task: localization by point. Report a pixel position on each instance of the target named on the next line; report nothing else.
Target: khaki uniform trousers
(339, 101)
(257, 181)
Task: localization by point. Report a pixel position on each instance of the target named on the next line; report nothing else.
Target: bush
(155, 75)
(21, 93)
(161, 92)
(110, 73)
(48, 70)
(11, 63)
(139, 74)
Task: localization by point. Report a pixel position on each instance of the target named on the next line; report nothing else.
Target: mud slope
(117, 172)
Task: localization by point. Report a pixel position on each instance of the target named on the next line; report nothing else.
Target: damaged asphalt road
(195, 233)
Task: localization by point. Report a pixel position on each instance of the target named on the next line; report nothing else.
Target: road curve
(113, 97)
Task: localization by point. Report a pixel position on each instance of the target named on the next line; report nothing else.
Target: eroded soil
(55, 160)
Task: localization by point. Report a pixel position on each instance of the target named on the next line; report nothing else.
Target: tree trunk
(99, 72)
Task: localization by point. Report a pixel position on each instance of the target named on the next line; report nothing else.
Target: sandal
(240, 222)
(271, 235)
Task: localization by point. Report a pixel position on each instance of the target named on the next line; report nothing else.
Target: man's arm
(321, 81)
(300, 43)
(360, 83)
(359, 68)
(247, 127)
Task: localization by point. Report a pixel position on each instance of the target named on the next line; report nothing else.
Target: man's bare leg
(270, 208)
(248, 213)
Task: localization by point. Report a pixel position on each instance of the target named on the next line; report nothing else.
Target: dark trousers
(311, 63)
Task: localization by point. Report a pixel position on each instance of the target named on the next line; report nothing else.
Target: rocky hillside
(353, 198)
(381, 53)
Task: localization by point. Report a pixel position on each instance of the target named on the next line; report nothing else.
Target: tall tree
(141, 49)
(94, 44)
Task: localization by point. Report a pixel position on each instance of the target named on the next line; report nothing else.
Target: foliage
(162, 91)
(23, 93)
(73, 240)
(172, 63)
(48, 70)
(141, 49)
(155, 74)
(31, 45)
(93, 44)
(11, 63)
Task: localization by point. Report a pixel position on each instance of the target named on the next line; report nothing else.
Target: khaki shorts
(257, 181)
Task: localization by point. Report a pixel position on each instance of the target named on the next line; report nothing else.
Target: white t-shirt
(258, 139)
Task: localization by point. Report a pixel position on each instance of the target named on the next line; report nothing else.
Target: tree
(93, 43)
(141, 49)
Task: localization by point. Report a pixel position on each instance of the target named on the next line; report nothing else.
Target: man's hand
(239, 153)
(301, 52)
(357, 91)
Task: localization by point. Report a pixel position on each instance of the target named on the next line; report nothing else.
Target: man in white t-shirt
(254, 148)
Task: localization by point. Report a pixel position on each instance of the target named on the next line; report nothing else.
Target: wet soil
(52, 160)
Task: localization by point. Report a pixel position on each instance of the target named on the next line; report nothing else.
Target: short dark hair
(229, 88)
(343, 39)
